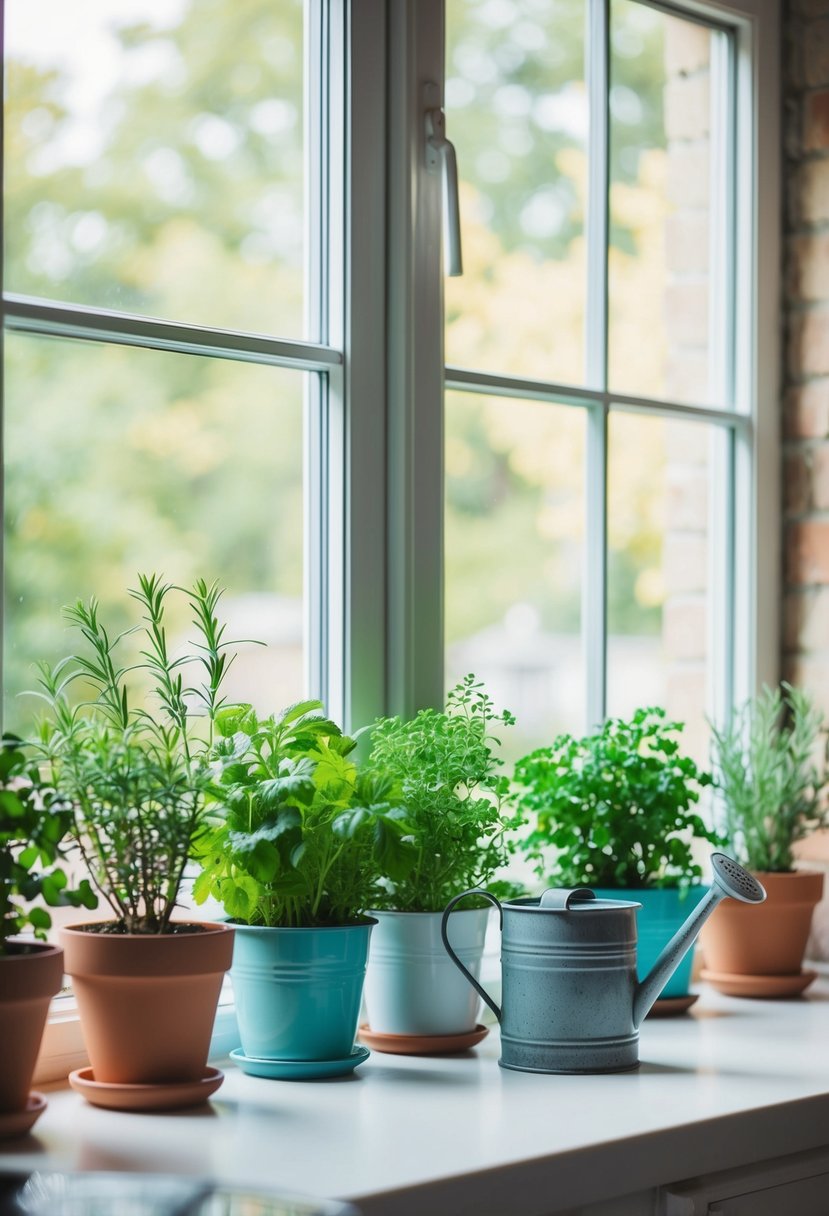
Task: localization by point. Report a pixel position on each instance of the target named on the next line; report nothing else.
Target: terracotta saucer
(18, 1122)
(673, 1006)
(421, 1045)
(170, 1096)
(769, 986)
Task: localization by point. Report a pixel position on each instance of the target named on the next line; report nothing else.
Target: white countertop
(732, 1083)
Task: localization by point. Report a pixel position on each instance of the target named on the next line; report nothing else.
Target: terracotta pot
(147, 1003)
(768, 938)
(30, 975)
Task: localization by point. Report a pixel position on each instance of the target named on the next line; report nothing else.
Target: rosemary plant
(771, 768)
(135, 777)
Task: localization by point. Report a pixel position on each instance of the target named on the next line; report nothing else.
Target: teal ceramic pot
(298, 991)
(663, 911)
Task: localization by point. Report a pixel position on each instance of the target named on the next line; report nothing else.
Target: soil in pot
(147, 1003)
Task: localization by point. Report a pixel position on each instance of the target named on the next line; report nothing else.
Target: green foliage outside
(297, 839)
(34, 824)
(443, 769)
(187, 207)
(136, 776)
(615, 808)
(771, 768)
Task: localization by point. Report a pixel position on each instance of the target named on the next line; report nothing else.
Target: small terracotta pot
(30, 975)
(147, 1003)
(768, 938)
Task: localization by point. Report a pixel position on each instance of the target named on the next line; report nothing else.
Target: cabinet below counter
(729, 1112)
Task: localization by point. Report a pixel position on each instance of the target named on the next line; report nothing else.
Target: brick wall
(805, 422)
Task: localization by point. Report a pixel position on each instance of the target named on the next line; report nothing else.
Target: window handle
(441, 158)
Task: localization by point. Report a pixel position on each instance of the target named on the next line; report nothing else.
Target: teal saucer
(299, 1070)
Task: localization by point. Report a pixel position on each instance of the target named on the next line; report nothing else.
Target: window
(600, 422)
(225, 342)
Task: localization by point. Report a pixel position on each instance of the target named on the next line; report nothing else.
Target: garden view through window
(587, 288)
(160, 169)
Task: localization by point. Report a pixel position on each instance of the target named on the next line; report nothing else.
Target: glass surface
(661, 205)
(659, 598)
(121, 460)
(154, 158)
(517, 112)
(513, 550)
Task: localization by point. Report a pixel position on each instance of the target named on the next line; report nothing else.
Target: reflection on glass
(153, 158)
(660, 204)
(120, 460)
(658, 581)
(514, 539)
(517, 112)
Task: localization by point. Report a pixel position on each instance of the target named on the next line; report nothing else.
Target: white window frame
(374, 450)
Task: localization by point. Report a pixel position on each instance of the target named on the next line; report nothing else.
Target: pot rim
(366, 922)
(85, 931)
(36, 950)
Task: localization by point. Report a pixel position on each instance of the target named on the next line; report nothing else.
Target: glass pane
(154, 158)
(662, 204)
(517, 112)
(514, 543)
(121, 460)
(659, 598)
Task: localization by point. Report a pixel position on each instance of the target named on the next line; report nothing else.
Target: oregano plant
(444, 769)
(615, 808)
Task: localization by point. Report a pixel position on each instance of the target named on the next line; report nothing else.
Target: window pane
(517, 112)
(662, 206)
(514, 542)
(154, 158)
(659, 597)
(121, 460)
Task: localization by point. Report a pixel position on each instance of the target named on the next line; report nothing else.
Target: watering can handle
(450, 907)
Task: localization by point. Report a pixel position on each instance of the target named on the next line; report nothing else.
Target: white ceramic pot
(412, 986)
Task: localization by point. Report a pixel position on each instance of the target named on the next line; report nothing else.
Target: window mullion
(357, 395)
(594, 602)
(415, 389)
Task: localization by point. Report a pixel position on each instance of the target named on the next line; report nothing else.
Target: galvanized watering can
(571, 999)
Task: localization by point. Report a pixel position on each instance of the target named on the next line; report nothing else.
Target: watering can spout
(729, 880)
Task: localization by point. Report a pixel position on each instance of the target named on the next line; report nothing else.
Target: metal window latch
(440, 158)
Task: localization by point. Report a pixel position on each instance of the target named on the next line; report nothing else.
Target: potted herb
(771, 770)
(443, 769)
(295, 850)
(136, 779)
(616, 811)
(33, 824)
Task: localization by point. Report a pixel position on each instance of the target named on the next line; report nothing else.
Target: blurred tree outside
(177, 192)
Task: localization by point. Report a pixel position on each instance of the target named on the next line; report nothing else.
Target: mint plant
(33, 826)
(442, 767)
(136, 778)
(771, 768)
(296, 838)
(615, 808)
